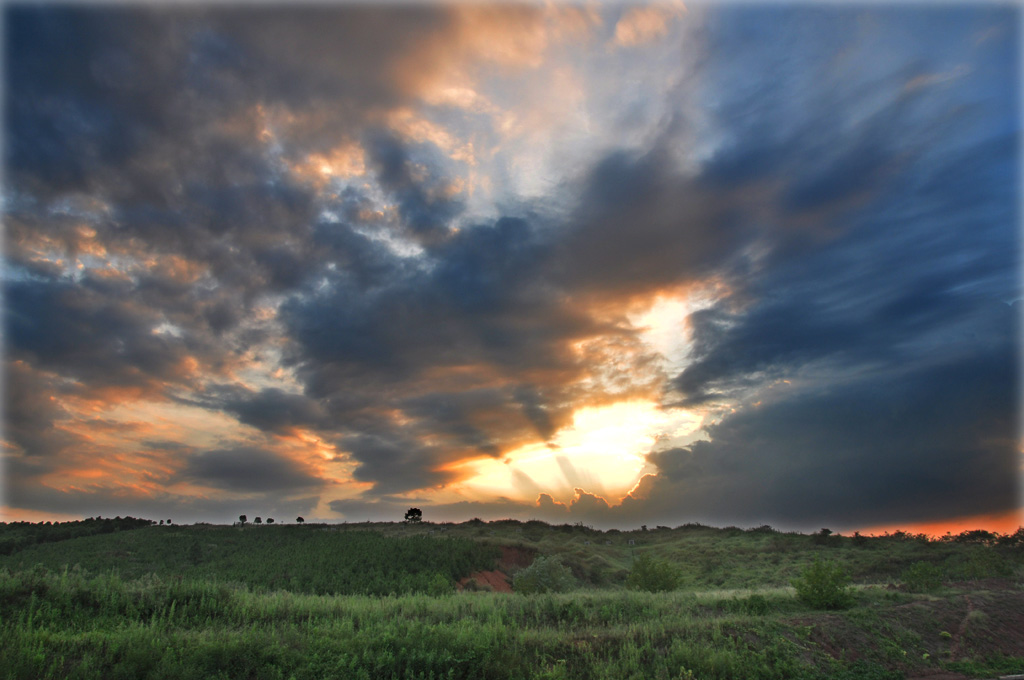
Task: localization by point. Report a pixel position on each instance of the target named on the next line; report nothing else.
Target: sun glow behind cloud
(601, 452)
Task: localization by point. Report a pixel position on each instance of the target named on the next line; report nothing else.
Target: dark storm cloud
(273, 409)
(895, 288)
(331, 66)
(90, 89)
(368, 263)
(532, 403)
(31, 416)
(641, 225)
(396, 464)
(248, 469)
(423, 204)
(855, 96)
(159, 113)
(84, 92)
(482, 301)
(97, 338)
(893, 328)
(938, 441)
(453, 414)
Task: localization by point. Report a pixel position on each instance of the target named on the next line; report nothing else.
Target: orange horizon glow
(35, 516)
(1000, 522)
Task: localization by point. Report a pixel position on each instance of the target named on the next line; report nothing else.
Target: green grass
(732, 558)
(362, 601)
(303, 559)
(71, 624)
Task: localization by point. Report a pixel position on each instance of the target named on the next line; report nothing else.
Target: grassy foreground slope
(170, 611)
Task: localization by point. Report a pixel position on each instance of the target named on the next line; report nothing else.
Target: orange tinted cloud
(344, 161)
(639, 25)
(506, 37)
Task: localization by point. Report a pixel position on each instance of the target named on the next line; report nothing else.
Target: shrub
(922, 577)
(474, 586)
(979, 563)
(824, 585)
(756, 604)
(545, 575)
(653, 575)
(439, 585)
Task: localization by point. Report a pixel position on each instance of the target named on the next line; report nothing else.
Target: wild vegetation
(298, 559)
(381, 601)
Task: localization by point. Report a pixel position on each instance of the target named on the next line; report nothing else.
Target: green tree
(258, 520)
(243, 519)
(824, 585)
(653, 575)
(414, 515)
(299, 520)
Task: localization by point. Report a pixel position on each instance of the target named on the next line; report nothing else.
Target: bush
(545, 575)
(922, 577)
(979, 563)
(438, 585)
(653, 575)
(824, 585)
(756, 604)
(474, 586)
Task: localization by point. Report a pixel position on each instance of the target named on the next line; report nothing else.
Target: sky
(610, 264)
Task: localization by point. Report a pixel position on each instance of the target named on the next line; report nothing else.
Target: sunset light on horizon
(615, 264)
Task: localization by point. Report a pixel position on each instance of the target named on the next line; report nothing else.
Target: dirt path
(494, 580)
(958, 638)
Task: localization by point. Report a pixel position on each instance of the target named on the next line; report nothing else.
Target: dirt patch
(917, 637)
(515, 557)
(499, 580)
(496, 580)
(993, 624)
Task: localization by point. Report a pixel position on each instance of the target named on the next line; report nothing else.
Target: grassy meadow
(132, 600)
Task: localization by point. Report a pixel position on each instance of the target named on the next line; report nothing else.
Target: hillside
(305, 602)
(303, 559)
(297, 557)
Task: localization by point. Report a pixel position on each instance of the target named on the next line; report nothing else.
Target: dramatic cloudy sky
(608, 263)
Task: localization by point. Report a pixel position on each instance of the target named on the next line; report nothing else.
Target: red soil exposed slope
(500, 580)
